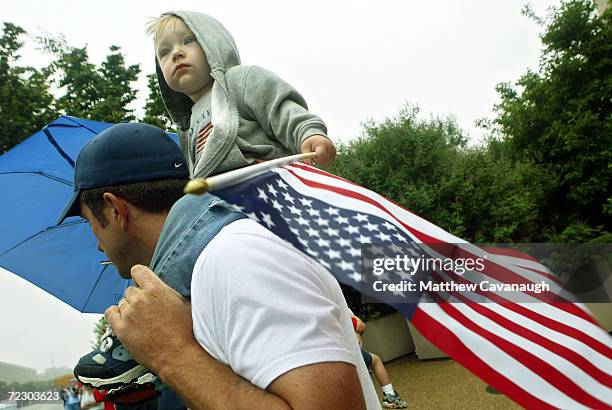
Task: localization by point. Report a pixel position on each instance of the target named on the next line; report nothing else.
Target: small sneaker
(393, 401)
(110, 366)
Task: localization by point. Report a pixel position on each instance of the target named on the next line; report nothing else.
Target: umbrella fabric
(35, 184)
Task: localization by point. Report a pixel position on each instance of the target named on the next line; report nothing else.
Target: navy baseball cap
(125, 153)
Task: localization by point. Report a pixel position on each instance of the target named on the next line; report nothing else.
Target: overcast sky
(352, 61)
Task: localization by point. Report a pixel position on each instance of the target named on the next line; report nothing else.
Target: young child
(228, 115)
(391, 399)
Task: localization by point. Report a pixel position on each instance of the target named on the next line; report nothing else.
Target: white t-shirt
(262, 307)
(200, 125)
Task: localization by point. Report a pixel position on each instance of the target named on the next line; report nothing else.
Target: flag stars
(364, 239)
(352, 229)
(383, 237)
(238, 208)
(311, 252)
(332, 211)
(313, 232)
(405, 275)
(400, 237)
(361, 218)
(302, 221)
(277, 205)
(355, 276)
(342, 220)
(271, 190)
(267, 219)
(313, 212)
(288, 198)
(332, 254)
(294, 210)
(332, 232)
(343, 242)
(344, 265)
(306, 202)
(377, 250)
(371, 227)
(399, 293)
(323, 243)
(282, 185)
(262, 195)
(322, 222)
(354, 252)
(396, 248)
(389, 226)
(252, 215)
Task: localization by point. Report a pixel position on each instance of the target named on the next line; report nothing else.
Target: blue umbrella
(35, 184)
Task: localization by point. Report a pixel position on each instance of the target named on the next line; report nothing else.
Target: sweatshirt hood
(221, 53)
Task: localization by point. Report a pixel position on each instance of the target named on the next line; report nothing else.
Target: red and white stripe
(541, 355)
(202, 137)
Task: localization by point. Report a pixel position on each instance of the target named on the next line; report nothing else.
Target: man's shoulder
(246, 232)
(253, 250)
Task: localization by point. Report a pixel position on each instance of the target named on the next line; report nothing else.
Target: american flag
(202, 137)
(544, 351)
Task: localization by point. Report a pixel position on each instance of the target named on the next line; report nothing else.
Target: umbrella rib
(44, 174)
(38, 233)
(57, 147)
(79, 124)
(93, 287)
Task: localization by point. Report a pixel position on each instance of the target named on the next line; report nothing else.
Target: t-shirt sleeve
(271, 307)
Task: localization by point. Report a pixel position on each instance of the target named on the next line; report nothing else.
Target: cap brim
(73, 208)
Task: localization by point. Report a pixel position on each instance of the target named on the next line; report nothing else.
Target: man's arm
(155, 326)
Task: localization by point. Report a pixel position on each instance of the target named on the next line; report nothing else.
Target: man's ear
(118, 207)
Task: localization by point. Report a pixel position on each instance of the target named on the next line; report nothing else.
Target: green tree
(99, 93)
(117, 93)
(560, 117)
(26, 104)
(99, 329)
(155, 111)
(479, 194)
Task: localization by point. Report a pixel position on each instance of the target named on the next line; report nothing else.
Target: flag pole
(199, 186)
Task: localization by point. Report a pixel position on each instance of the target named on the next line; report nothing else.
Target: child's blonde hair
(159, 25)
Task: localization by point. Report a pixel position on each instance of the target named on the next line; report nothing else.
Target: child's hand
(322, 147)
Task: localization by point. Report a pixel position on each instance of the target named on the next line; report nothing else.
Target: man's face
(183, 61)
(112, 240)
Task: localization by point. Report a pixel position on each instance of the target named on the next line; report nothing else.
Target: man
(266, 327)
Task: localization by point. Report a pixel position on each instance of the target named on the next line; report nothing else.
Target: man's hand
(154, 323)
(323, 148)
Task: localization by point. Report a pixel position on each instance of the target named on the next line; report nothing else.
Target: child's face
(183, 61)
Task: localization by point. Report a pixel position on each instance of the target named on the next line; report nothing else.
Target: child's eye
(163, 52)
(189, 39)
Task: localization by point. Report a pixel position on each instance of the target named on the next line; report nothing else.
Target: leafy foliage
(26, 104)
(99, 329)
(560, 117)
(155, 111)
(99, 93)
(479, 194)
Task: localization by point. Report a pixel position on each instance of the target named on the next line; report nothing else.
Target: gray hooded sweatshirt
(255, 114)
